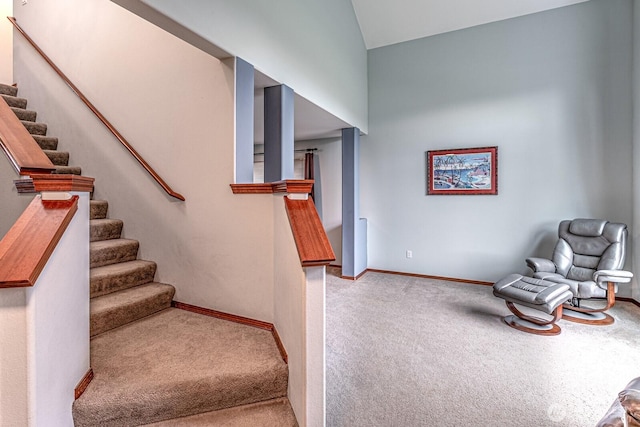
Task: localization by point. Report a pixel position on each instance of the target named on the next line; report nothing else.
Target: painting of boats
(462, 171)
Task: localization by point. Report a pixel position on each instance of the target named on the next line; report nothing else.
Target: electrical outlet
(409, 254)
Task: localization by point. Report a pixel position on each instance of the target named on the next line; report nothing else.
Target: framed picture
(463, 171)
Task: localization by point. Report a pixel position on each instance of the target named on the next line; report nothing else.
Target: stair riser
(46, 142)
(13, 101)
(26, 115)
(68, 170)
(113, 255)
(105, 231)
(107, 284)
(58, 158)
(98, 209)
(8, 90)
(35, 128)
(105, 320)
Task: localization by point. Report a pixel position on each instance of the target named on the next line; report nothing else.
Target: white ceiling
(385, 22)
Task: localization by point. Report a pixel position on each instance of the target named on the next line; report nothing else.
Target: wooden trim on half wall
(62, 182)
(84, 383)
(237, 319)
(302, 186)
(28, 245)
(311, 240)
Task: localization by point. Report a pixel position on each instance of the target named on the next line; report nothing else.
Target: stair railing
(99, 115)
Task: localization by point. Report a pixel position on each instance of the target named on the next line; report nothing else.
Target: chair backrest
(587, 245)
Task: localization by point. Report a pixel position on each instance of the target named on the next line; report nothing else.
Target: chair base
(588, 318)
(515, 322)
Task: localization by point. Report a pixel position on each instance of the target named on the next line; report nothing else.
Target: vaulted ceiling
(386, 22)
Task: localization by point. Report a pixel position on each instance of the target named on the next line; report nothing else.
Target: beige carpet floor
(405, 351)
(174, 364)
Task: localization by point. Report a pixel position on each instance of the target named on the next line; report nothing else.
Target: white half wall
(299, 307)
(551, 90)
(45, 334)
(289, 306)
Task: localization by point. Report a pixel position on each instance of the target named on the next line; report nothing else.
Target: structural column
(244, 85)
(354, 228)
(278, 133)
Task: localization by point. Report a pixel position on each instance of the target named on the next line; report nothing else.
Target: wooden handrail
(99, 115)
(311, 240)
(27, 246)
(19, 146)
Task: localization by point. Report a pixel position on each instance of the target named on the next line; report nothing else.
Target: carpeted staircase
(157, 364)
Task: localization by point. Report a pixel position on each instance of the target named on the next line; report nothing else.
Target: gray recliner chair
(586, 263)
(589, 257)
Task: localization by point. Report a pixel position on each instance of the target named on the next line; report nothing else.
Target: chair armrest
(614, 417)
(630, 402)
(602, 277)
(541, 265)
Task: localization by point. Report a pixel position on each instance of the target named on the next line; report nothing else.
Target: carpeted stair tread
(14, 101)
(270, 413)
(98, 209)
(174, 364)
(58, 158)
(119, 308)
(8, 90)
(35, 128)
(68, 170)
(105, 252)
(123, 275)
(46, 142)
(105, 229)
(26, 115)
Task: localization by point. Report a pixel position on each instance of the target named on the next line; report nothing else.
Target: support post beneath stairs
(354, 228)
(278, 133)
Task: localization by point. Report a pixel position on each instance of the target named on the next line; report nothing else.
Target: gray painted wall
(636, 144)
(551, 90)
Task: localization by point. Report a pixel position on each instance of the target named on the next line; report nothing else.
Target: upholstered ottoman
(537, 294)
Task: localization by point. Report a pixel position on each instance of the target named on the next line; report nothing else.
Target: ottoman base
(533, 325)
(595, 318)
(537, 294)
